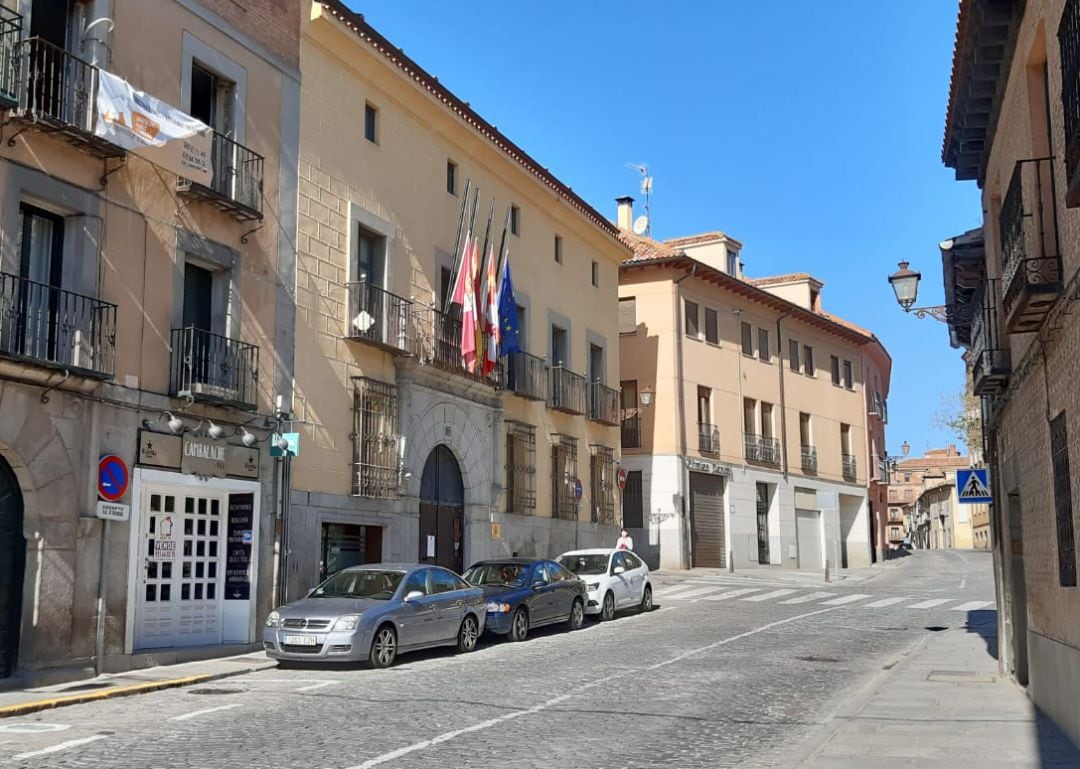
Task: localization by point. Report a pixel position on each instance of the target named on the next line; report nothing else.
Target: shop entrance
(12, 566)
(442, 511)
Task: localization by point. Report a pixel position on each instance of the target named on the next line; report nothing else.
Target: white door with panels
(179, 597)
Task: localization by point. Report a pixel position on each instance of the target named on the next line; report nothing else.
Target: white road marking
(929, 604)
(845, 599)
(730, 594)
(33, 728)
(446, 736)
(963, 581)
(972, 605)
(319, 685)
(770, 596)
(696, 591)
(808, 598)
(885, 602)
(61, 746)
(195, 713)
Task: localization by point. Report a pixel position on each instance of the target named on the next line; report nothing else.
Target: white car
(615, 579)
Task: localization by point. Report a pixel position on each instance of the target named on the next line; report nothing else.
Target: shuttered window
(747, 339)
(712, 326)
(764, 351)
(628, 315)
(793, 355)
(692, 321)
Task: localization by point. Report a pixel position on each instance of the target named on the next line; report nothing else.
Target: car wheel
(468, 634)
(519, 625)
(577, 616)
(607, 611)
(383, 647)
(646, 599)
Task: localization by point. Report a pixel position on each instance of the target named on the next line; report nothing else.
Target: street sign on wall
(113, 478)
(973, 486)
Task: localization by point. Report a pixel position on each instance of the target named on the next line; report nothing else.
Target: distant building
(919, 491)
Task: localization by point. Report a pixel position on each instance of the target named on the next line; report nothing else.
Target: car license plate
(301, 640)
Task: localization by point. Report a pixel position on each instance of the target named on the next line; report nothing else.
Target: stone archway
(442, 511)
(12, 567)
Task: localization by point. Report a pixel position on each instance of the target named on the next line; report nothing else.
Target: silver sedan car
(375, 612)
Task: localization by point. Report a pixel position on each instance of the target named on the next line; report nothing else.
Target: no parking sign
(113, 478)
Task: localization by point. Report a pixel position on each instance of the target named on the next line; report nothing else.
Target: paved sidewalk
(22, 701)
(792, 576)
(943, 706)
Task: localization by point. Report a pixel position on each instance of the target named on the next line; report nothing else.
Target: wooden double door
(442, 511)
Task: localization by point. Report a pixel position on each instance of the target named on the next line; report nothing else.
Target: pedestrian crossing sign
(973, 486)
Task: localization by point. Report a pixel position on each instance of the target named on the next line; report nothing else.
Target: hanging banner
(152, 129)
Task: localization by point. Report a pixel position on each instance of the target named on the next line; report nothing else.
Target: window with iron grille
(1066, 541)
(375, 439)
(602, 476)
(520, 468)
(563, 476)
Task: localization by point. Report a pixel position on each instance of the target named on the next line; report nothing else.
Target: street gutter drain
(813, 658)
(960, 677)
(216, 691)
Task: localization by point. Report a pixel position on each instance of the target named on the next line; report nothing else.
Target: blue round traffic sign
(113, 478)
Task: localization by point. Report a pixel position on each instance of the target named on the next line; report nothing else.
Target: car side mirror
(412, 595)
(618, 570)
(538, 583)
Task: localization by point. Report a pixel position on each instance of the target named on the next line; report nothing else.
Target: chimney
(625, 207)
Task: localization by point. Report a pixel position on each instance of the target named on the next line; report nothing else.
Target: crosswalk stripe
(696, 591)
(730, 594)
(769, 596)
(972, 605)
(929, 604)
(845, 599)
(885, 602)
(808, 598)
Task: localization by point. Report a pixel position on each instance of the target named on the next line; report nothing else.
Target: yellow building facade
(405, 455)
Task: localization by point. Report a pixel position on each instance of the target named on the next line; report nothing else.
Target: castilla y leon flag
(151, 128)
(468, 309)
(491, 318)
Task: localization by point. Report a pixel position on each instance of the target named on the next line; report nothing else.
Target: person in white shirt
(626, 542)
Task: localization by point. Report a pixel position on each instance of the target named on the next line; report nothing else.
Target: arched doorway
(442, 511)
(12, 565)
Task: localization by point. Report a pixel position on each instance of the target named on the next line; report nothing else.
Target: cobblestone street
(729, 670)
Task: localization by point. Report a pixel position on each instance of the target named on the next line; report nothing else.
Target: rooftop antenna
(643, 224)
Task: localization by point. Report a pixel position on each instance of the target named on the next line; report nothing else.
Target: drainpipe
(684, 482)
(783, 400)
(103, 554)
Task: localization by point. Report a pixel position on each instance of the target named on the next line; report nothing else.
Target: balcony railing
(604, 404)
(525, 375)
(237, 186)
(57, 92)
(56, 328)
(436, 340)
(1030, 254)
(567, 391)
(380, 318)
(10, 32)
(631, 433)
(809, 458)
(990, 363)
(762, 449)
(708, 438)
(213, 368)
(848, 466)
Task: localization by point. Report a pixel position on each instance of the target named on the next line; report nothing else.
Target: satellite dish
(641, 224)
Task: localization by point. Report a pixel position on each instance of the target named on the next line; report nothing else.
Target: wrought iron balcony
(10, 32)
(237, 186)
(51, 327)
(708, 438)
(762, 449)
(604, 403)
(525, 375)
(848, 466)
(631, 433)
(213, 368)
(55, 91)
(567, 391)
(437, 341)
(1030, 253)
(990, 364)
(809, 458)
(380, 318)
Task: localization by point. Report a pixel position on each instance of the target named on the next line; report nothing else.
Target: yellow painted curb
(117, 691)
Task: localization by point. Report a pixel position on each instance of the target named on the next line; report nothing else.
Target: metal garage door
(707, 520)
(808, 528)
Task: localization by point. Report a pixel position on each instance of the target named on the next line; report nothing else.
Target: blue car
(523, 593)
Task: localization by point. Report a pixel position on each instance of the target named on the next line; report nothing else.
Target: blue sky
(811, 132)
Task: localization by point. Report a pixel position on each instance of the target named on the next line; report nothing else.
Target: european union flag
(508, 313)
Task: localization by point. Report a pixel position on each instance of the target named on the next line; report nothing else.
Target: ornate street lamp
(905, 283)
(646, 395)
